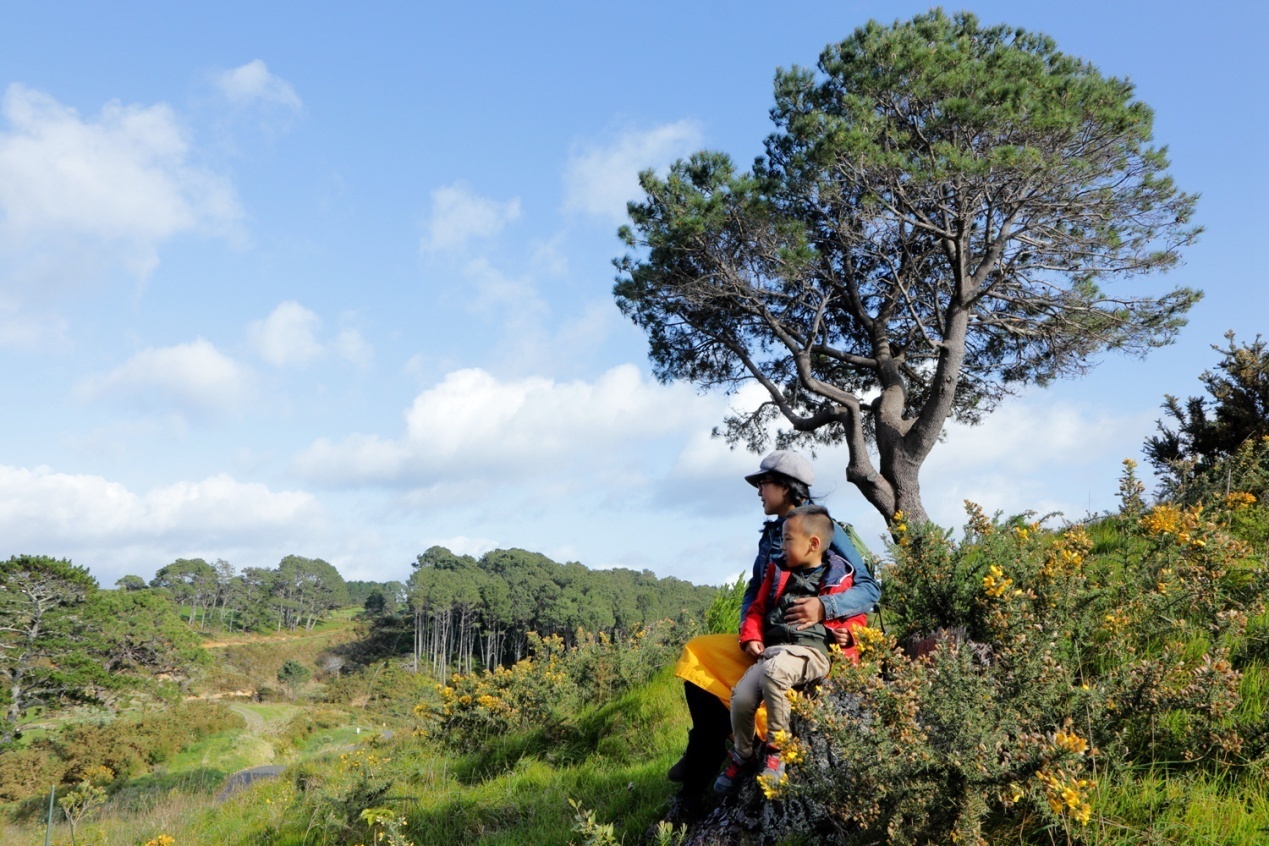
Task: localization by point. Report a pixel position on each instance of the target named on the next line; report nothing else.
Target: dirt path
(255, 722)
(276, 638)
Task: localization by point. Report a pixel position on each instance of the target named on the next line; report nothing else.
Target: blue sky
(302, 278)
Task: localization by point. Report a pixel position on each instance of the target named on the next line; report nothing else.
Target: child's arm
(751, 626)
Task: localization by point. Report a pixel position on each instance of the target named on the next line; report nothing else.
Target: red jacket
(838, 577)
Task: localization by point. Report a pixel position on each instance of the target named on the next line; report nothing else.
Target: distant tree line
(469, 612)
(298, 592)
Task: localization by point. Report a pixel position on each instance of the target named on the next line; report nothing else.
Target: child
(787, 654)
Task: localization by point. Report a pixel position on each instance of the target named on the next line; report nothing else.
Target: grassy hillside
(1107, 683)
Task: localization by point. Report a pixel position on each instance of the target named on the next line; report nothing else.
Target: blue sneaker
(737, 769)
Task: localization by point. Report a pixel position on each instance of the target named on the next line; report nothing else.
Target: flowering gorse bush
(1068, 656)
(545, 690)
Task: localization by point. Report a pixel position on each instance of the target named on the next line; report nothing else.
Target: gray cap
(786, 463)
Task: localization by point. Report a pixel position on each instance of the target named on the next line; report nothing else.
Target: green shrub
(545, 690)
(1092, 653)
(29, 771)
(128, 745)
(723, 614)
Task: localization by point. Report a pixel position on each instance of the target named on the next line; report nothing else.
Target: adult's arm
(862, 595)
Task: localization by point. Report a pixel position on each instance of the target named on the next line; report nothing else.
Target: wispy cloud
(192, 377)
(600, 178)
(459, 215)
(252, 84)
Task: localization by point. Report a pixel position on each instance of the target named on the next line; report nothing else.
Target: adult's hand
(806, 611)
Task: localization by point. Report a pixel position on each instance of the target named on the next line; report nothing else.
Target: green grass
(1157, 807)
(514, 790)
(226, 752)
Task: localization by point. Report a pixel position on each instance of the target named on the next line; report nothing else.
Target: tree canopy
(62, 639)
(930, 228)
(1209, 429)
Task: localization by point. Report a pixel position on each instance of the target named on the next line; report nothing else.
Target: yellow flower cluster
(1184, 524)
(1024, 532)
(1238, 500)
(1070, 742)
(1116, 621)
(871, 642)
(899, 529)
(995, 583)
(161, 840)
(773, 788)
(1067, 555)
(1067, 794)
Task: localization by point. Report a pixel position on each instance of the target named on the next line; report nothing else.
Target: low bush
(127, 745)
(1086, 654)
(545, 690)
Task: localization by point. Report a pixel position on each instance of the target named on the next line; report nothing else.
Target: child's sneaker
(772, 766)
(737, 769)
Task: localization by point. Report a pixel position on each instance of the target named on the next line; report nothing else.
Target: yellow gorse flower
(995, 583)
(1070, 742)
(1238, 500)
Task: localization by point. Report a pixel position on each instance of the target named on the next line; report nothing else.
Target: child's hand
(752, 648)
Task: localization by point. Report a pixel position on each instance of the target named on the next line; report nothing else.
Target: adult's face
(774, 497)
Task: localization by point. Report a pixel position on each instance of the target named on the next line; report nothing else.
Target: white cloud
(494, 290)
(458, 215)
(115, 186)
(194, 376)
(83, 511)
(252, 83)
(353, 348)
(463, 545)
(600, 179)
(31, 331)
(472, 426)
(1033, 454)
(287, 337)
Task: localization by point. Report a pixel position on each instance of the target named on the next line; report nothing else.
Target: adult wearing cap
(710, 665)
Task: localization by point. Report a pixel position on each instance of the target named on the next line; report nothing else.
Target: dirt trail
(275, 638)
(255, 722)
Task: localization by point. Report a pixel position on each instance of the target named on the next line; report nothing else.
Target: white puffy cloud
(1032, 454)
(114, 186)
(194, 377)
(288, 336)
(600, 179)
(252, 84)
(39, 507)
(474, 426)
(458, 215)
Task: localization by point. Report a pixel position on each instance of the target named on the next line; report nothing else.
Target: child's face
(801, 548)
